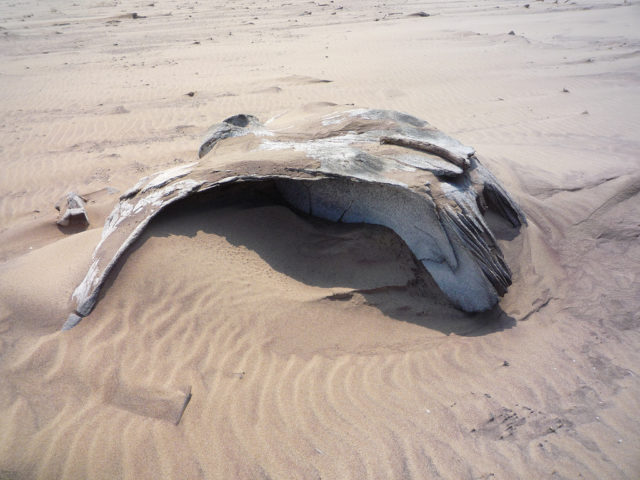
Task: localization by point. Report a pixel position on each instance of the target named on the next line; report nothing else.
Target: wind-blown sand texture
(312, 349)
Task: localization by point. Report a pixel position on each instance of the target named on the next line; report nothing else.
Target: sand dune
(311, 349)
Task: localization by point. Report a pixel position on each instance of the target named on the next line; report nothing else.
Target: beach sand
(309, 349)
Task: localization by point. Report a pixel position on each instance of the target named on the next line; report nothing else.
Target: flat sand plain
(308, 349)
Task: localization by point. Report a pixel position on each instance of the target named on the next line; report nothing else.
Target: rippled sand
(311, 349)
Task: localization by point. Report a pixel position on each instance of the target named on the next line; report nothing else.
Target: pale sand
(249, 305)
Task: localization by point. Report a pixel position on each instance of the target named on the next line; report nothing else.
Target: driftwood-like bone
(350, 165)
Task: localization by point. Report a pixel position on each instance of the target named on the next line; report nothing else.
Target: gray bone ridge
(345, 165)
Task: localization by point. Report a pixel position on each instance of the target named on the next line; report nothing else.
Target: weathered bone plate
(348, 165)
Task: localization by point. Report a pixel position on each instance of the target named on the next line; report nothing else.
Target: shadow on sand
(237, 214)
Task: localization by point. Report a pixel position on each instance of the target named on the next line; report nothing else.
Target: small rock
(190, 94)
(565, 90)
(512, 32)
(505, 364)
(72, 210)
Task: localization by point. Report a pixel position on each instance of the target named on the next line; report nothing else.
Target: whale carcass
(346, 165)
